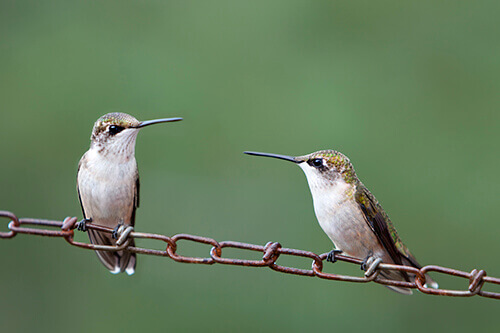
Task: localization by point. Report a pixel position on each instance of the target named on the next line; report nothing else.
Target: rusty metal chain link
(270, 254)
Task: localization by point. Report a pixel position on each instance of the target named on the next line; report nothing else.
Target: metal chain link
(270, 254)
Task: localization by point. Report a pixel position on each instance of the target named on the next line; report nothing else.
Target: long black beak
(157, 121)
(281, 157)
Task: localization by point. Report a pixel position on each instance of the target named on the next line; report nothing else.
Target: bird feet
(82, 225)
(116, 230)
(121, 233)
(370, 266)
(367, 262)
(331, 257)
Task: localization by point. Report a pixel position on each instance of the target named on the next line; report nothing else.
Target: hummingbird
(108, 184)
(350, 215)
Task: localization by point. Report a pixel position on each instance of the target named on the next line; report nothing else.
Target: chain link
(270, 254)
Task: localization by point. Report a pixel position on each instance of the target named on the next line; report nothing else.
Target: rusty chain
(271, 252)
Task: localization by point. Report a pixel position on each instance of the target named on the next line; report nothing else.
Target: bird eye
(317, 162)
(113, 129)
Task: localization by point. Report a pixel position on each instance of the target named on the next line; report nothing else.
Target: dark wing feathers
(136, 198)
(78, 189)
(383, 227)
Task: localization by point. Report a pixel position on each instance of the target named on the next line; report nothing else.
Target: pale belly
(107, 193)
(344, 223)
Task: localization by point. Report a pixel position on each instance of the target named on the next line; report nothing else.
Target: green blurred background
(409, 91)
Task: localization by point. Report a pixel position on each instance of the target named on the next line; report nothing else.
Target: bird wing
(78, 187)
(382, 226)
(136, 197)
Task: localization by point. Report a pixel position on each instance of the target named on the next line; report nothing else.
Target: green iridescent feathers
(115, 118)
(338, 161)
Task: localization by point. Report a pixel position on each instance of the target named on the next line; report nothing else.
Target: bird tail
(403, 276)
(115, 261)
(411, 261)
(398, 276)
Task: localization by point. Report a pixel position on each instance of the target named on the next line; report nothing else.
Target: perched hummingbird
(108, 183)
(350, 215)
